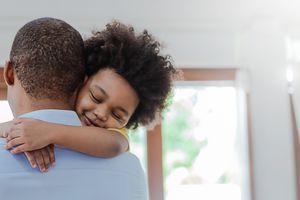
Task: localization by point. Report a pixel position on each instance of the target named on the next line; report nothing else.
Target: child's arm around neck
(93, 141)
(34, 134)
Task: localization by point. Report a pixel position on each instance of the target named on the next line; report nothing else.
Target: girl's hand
(27, 135)
(4, 127)
(41, 158)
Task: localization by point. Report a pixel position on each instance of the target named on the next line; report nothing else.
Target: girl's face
(106, 100)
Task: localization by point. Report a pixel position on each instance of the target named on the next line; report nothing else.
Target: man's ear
(9, 73)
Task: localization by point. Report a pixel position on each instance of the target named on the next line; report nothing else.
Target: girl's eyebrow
(101, 89)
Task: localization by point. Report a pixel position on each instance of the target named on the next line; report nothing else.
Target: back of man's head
(48, 57)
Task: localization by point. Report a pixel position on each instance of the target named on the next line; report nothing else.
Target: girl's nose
(101, 114)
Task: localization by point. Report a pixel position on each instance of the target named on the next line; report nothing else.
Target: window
(5, 113)
(199, 135)
(138, 145)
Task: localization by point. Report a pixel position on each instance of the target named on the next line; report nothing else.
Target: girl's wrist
(52, 135)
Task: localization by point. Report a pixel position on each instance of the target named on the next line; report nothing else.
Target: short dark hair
(48, 57)
(137, 58)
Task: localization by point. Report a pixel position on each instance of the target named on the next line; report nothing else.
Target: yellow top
(122, 131)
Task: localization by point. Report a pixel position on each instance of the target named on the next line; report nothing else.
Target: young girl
(127, 84)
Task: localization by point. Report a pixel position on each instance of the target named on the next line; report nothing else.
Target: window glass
(199, 140)
(138, 145)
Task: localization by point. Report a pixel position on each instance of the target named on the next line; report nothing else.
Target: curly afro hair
(137, 58)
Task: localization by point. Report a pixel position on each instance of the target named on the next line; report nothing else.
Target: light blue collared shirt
(74, 176)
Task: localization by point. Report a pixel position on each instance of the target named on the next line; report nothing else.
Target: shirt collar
(67, 117)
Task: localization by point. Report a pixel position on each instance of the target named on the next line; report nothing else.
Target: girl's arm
(94, 141)
(4, 127)
(29, 134)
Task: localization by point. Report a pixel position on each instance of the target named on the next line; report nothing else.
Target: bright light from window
(199, 140)
(5, 112)
(289, 75)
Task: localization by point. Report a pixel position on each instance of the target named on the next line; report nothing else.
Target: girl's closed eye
(118, 117)
(95, 99)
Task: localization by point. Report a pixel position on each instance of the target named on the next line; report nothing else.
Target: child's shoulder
(123, 131)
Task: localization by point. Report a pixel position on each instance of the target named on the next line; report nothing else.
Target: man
(46, 67)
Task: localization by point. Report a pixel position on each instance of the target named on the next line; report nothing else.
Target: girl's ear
(9, 73)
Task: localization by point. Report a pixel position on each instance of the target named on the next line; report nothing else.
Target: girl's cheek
(87, 103)
(80, 105)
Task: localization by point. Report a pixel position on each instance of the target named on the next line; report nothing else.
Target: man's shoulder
(66, 117)
(128, 158)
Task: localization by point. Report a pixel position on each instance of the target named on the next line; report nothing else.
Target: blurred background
(231, 129)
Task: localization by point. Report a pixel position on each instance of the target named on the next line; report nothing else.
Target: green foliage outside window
(176, 138)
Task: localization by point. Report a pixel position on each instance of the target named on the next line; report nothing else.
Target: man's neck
(29, 106)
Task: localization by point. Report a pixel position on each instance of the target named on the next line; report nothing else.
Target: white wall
(263, 52)
(205, 33)
(190, 39)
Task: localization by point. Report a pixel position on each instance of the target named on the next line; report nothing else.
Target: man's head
(46, 62)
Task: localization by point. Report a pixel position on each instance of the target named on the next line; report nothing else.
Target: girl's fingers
(50, 149)
(30, 157)
(18, 121)
(14, 142)
(40, 160)
(12, 135)
(18, 149)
